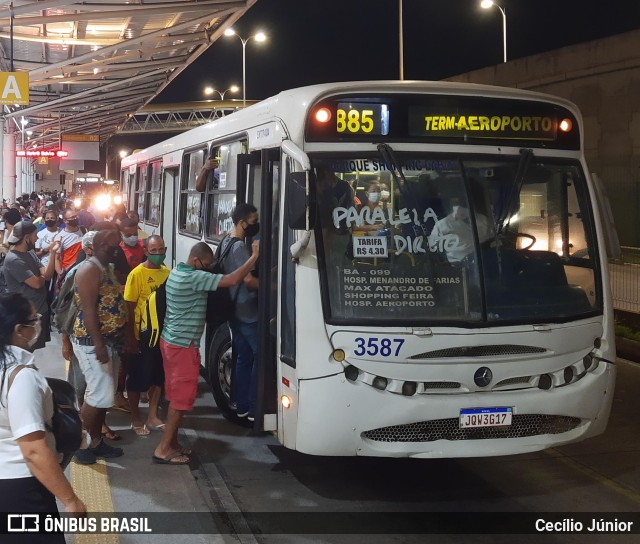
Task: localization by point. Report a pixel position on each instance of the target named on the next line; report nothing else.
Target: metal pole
(504, 31)
(401, 39)
(244, 72)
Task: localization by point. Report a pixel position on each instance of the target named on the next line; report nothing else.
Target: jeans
(245, 344)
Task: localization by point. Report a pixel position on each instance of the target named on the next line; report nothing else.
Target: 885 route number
(372, 346)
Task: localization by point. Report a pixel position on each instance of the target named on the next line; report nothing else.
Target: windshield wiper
(523, 166)
(390, 159)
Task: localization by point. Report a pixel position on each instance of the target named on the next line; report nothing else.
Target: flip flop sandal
(111, 435)
(140, 431)
(157, 427)
(168, 460)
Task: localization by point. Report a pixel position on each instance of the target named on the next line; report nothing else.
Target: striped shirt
(187, 304)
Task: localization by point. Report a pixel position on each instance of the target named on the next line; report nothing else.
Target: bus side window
(190, 199)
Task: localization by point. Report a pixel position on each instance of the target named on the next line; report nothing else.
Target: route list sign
(379, 288)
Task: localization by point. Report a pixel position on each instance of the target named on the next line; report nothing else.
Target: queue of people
(112, 275)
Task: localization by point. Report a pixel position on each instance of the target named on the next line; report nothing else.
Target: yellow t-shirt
(141, 282)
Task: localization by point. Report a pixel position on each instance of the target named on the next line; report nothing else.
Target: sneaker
(243, 414)
(107, 452)
(85, 457)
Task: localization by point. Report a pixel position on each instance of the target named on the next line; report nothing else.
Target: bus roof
(290, 105)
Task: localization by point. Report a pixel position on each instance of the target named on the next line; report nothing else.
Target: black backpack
(64, 307)
(155, 310)
(66, 425)
(220, 303)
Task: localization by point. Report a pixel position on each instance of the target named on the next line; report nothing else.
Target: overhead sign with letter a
(14, 88)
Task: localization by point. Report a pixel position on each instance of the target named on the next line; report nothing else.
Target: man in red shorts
(187, 288)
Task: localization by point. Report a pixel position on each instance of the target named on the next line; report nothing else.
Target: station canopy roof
(93, 63)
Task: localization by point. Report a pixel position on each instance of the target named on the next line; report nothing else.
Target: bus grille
(448, 429)
(520, 380)
(479, 351)
(441, 385)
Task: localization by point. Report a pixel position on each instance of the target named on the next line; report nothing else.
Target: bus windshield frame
(529, 253)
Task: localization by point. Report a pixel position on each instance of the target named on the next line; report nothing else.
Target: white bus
(433, 265)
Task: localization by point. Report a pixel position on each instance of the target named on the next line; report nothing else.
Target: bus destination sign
(438, 122)
(362, 118)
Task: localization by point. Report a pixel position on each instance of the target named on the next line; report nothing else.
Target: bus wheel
(219, 367)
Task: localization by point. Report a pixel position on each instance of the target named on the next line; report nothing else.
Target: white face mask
(373, 197)
(130, 240)
(385, 195)
(38, 329)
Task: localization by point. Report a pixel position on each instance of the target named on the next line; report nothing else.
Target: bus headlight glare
(338, 355)
(102, 203)
(117, 199)
(285, 401)
(77, 202)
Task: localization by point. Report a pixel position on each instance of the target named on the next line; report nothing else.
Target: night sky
(317, 41)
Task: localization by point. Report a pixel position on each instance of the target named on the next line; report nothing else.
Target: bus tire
(219, 366)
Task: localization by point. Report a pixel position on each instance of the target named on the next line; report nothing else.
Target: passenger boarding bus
(432, 271)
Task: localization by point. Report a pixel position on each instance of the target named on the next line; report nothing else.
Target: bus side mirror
(301, 205)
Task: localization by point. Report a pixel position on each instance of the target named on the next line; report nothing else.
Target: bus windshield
(470, 240)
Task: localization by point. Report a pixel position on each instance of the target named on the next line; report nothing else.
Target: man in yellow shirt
(145, 370)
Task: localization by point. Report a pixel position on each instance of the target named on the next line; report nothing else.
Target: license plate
(485, 417)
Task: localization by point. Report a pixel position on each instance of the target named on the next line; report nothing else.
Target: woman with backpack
(30, 477)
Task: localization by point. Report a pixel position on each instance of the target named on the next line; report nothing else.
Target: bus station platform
(133, 483)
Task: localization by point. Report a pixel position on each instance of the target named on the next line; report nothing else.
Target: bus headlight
(77, 202)
(117, 199)
(380, 383)
(285, 401)
(102, 203)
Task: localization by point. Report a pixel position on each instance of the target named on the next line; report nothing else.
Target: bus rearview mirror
(300, 201)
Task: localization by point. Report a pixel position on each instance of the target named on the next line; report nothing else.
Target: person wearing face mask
(131, 244)
(98, 328)
(453, 235)
(144, 367)
(46, 237)
(30, 477)
(244, 325)
(25, 274)
(70, 242)
(373, 194)
(187, 288)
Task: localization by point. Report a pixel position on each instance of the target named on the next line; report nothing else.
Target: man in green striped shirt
(187, 288)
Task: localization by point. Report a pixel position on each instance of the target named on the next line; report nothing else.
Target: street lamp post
(486, 4)
(210, 90)
(259, 37)
(401, 39)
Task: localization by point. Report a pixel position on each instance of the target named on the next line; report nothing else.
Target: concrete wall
(603, 78)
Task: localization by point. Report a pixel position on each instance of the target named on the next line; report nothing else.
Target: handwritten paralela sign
(14, 88)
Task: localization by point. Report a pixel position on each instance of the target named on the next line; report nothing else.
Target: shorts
(182, 372)
(145, 369)
(100, 378)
